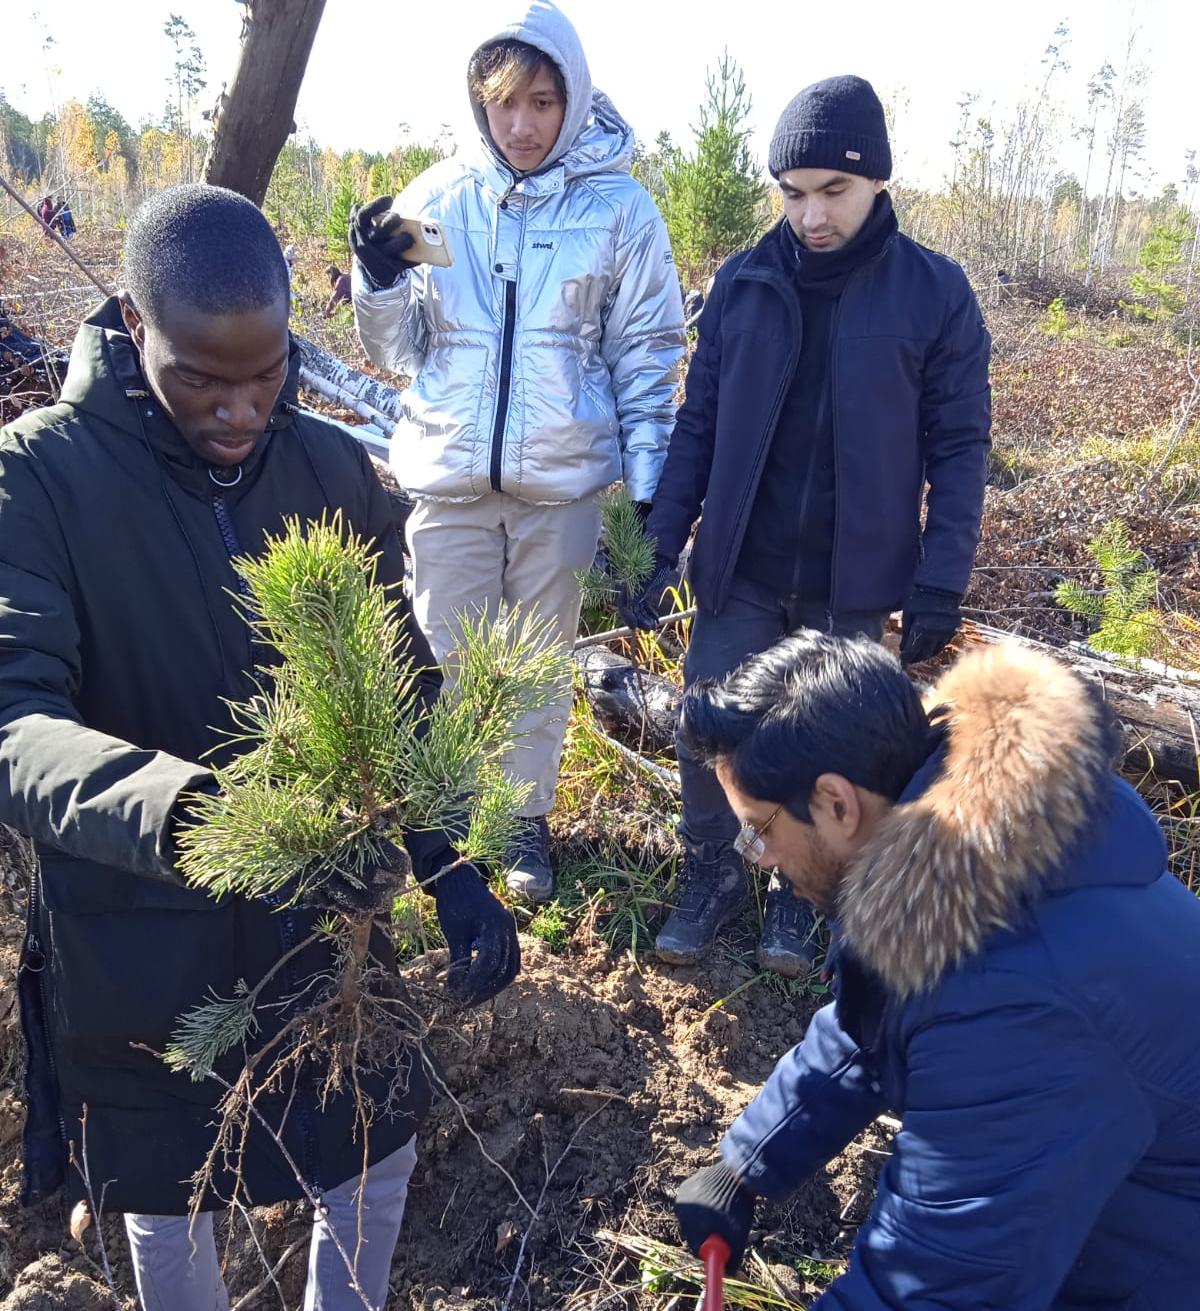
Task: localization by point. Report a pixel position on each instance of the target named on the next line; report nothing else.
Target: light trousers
(473, 557)
(176, 1267)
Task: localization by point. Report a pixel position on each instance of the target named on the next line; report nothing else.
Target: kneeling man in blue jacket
(1016, 974)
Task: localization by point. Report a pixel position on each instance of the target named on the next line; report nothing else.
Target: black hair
(500, 68)
(811, 705)
(206, 247)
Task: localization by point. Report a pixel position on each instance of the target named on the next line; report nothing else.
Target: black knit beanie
(837, 123)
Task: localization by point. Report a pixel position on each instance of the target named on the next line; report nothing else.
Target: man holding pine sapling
(177, 447)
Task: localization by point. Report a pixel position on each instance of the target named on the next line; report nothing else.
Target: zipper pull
(35, 957)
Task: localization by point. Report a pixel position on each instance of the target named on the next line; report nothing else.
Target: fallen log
(1159, 714)
(350, 386)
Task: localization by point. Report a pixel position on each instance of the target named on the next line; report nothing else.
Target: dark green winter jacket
(119, 642)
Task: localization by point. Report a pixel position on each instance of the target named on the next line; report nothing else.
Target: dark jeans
(750, 622)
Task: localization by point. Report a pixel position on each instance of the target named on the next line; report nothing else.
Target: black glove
(640, 609)
(376, 243)
(370, 891)
(474, 921)
(711, 1202)
(931, 618)
(643, 509)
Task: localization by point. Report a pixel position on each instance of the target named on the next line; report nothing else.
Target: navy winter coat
(911, 405)
(1018, 978)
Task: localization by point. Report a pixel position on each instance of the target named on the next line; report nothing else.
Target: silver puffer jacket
(544, 362)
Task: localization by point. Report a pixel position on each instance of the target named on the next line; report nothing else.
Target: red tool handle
(714, 1252)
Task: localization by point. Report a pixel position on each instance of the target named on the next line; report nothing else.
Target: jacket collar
(1017, 803)
(773, 256)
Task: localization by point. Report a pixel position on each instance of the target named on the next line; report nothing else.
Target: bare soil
(616, 1081)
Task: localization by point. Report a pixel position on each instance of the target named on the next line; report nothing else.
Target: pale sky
(371, 72)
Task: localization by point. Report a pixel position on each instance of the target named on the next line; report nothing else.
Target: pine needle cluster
(628, 552)
(1128, 622)
(342, 751)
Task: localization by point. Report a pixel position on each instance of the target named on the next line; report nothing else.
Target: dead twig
(80, 1164)
(601, 639)
(314, 1199)
(272, 1275)
(440, 1083)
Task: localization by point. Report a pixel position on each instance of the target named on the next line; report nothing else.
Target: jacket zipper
(287, 924)
(233, 549)
(33, 946)
(833, 425)
(785, 382)
(502, 391)
(805, 495)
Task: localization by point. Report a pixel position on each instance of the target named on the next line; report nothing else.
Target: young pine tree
(714, 196)
(340, 757)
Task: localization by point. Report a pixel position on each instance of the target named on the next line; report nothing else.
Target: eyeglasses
(750, 842)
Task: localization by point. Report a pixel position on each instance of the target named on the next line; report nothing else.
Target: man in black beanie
(841, 369)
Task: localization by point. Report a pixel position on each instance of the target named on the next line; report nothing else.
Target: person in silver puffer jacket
(543, 362)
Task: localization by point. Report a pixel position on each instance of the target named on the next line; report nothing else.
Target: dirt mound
(594, 1088)
(598, 1088)
(50, 1284)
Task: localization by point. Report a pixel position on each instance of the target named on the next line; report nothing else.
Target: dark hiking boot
(713, 892)
(530, 875)
(787, 944)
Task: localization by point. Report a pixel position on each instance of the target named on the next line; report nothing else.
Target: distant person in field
(177, 445)
(543, 363)
(341, 290)
(46, 210)
(1015, 974)
(840, 380)
(63, 221)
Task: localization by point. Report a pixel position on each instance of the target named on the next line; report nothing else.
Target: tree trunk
(254, 118)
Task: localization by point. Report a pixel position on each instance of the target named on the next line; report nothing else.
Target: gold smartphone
(429, 241)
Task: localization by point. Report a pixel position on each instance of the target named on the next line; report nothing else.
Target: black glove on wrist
(643, 509)
(711, 1202)
(370, 891)
(640, 609)
(475, 924)
(377, 244)
(931, 618)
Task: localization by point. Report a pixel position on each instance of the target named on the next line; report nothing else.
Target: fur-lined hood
(1022, 772)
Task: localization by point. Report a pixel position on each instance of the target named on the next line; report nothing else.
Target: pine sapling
(628, 554)
(339, 756)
